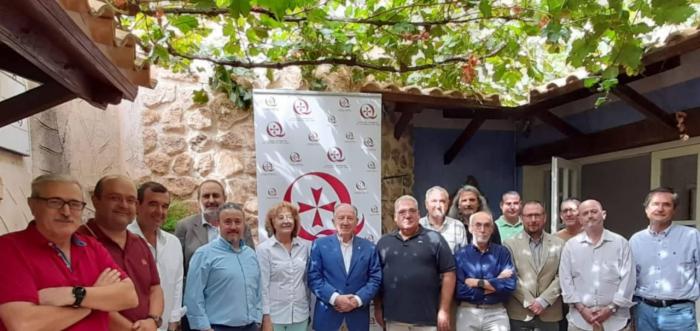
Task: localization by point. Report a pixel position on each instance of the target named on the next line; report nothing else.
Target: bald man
(597, 274)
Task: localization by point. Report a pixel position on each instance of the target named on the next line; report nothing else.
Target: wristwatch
(612, 307)
(79, 294)
(157, 319)
(480, 283)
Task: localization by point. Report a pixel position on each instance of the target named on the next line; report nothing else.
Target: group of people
(454, 269)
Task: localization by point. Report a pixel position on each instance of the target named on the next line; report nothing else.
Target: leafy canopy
(480, 46)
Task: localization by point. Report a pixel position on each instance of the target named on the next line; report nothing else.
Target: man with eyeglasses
(418, 274)
(536, 303)
(667, 260)
(115, 203)
(55, 279)
(485, 278)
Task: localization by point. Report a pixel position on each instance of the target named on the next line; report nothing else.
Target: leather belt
(663, 303)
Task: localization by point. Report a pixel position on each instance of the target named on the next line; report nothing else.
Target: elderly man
(344, 274)
(436, 201)
(55, 279)
(153, 201)
(414, 260)
(509, 224)
(115, 202)
(596, 274)
(468, 201)
(485, 279)
(667, 259)
(536, 303)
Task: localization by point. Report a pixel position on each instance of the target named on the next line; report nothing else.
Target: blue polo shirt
(223, 286)
(472, 263)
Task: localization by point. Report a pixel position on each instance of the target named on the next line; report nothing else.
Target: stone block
(200, 143)
(229, 163)
(182, 165)
(204, 165)
(150, 140)
(173, 144)
(172, 120)
(199, 119)
(180, 186)
(149, 117)
(158, 162)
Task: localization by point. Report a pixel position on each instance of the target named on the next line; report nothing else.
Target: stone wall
(184, 143)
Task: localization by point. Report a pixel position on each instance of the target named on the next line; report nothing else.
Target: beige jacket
(533, 283)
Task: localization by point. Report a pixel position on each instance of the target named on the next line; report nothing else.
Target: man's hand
(536, 308)
(443, 320)
(506, 273)
(108, 276)
(586, 313)
(174, 326)
(471, 282)
(56, 296)
(145, 325)
(602, 314)
(344, 303)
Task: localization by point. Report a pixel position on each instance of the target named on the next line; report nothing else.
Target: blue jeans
(679, 317)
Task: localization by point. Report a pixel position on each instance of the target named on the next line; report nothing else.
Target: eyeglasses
(58, 203)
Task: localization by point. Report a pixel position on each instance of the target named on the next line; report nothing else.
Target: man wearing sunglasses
(57, 279)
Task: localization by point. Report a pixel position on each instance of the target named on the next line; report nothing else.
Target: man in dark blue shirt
(485, 278)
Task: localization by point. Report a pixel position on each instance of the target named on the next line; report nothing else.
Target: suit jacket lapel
(355, 254)
(200, 231)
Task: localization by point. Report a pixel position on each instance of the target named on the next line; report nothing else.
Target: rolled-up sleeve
(628, 278)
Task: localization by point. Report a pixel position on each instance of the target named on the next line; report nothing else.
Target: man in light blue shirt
(667, 259)
(223, 290)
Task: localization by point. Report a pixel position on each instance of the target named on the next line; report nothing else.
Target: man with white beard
(485, 279)
(436, 201)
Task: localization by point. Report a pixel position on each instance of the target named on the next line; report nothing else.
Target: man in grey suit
(536, 303)
(199, 229)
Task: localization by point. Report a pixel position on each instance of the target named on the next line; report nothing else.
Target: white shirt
(212, 231)
(346, 250)
(169, 261)
(597, 275)
(452, 230)
(285, 295)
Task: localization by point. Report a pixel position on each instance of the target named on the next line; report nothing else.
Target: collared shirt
(212, 231)
(168, 256)
(667, 263)
(223, 286)
(452, 230)
(472, 263)
(31, 263)
(285, 296)
(535, 250)
(597, 275)
(508, 230)
(417, 264)
(346, 251)
(136, 259)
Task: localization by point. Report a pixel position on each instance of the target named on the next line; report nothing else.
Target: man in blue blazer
(344, 274)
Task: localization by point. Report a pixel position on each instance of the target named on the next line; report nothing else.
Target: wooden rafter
(558, 123)
(463, 138)
(645, 106)
(407, 112)
(642, 133)
(33, 101)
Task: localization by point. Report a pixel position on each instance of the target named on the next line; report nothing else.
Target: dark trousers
(249, 327)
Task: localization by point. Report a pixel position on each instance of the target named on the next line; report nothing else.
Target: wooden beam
(433, 101)
(463, 138)
(16, 64)
(402, 124)
(565, 94)
(558, 123)
(491, 114)
(33, 101)
(642, 133)
(645, 106)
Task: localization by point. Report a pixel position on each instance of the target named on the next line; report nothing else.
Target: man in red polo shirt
(55, 279)
(115, 202)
